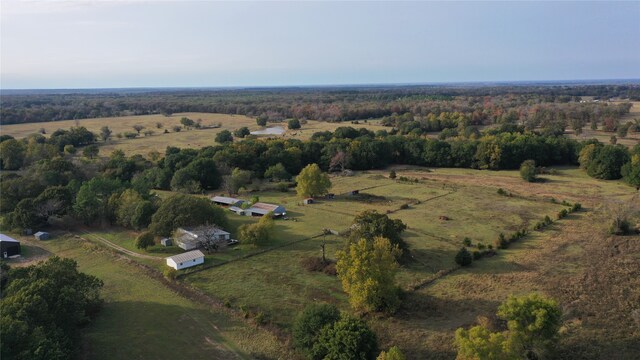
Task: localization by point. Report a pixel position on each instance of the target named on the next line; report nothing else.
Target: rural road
(118, 247)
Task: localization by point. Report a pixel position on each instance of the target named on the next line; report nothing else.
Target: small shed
(308, 201)
(185, 260)
(9, 246)
(41, 235)
(166, 242)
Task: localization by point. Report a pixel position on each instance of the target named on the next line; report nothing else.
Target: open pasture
(276, 283)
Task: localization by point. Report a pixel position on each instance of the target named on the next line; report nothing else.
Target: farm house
(9, 246)
(190, 238)
(188, 259)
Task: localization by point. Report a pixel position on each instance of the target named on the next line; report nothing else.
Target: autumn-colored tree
(393, 353)
(312, 182)
(367, 272)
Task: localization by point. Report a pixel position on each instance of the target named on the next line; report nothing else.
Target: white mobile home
(188, 259)
(191, 238)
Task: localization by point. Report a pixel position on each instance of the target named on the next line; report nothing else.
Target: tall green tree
(371, 224)
(185, 210)
(312, 182)
(92, 200)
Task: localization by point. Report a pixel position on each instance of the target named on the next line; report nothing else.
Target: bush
(393, 353)
(404, 206)
(144, 240)
(547, 220)
(170, 273)
(501, 191)
(261, 318)
(576, 207)
(501, 242)
(348, 338)
(293, 124)
(466, 241)
(392, 174)
(476, 255)
(620, 227)
(562, 214)
(528, 170)
(464, 257)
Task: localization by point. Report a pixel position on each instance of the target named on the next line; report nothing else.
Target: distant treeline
(480, 104)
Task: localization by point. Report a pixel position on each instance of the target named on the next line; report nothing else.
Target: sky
(113, 44)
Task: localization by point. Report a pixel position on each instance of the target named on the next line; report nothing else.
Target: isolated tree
(371, 224)
(262, 120)
(144, 240)
(277, 172)
(393, 353)
(392, 174)
(176, 128)
(105, 133)
(528, 170)
(159, 125)
(242, 132)
(138, 128)
(346, 339)
(293, 124)
(309, 323)
(91, 151)
(464, 257)
(186, 122)
(224, 136)
(533, 322)
(367, 272)
(185, 210)
(312, 182)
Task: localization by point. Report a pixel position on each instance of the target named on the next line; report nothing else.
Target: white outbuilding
(185, 260)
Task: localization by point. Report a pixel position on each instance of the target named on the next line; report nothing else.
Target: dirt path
(116, 247)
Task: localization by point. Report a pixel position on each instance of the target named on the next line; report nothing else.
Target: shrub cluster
(503, 192)
(502, 242)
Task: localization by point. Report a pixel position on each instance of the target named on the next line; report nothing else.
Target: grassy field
(158, 141)
(594, 276)
(142, 319)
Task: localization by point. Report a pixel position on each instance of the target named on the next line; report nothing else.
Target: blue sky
(82, 44)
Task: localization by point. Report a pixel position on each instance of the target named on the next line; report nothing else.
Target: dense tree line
(53, 185)
(328, 104)
(44, 307)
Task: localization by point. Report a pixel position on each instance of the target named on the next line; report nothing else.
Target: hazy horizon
(136, 44)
